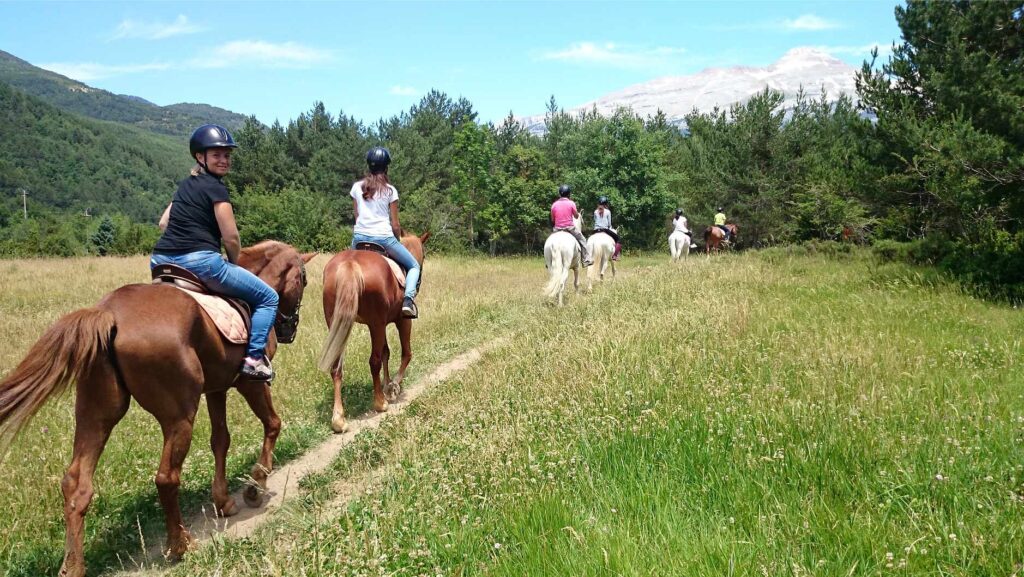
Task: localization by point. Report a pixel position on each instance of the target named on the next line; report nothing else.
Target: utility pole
(24, 203)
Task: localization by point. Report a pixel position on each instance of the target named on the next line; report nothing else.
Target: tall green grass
(741, 415)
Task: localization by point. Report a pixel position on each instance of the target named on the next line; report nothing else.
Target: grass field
(764, 413)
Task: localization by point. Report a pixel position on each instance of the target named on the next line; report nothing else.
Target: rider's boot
(409, 309)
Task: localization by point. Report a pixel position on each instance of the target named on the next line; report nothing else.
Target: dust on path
(284, 481)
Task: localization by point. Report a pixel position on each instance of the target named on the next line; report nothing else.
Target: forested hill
(70, 163)
(73, 96)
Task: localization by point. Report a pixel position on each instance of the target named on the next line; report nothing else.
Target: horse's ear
(306, 257)
(424, 237)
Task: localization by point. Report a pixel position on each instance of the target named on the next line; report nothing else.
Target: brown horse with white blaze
(154, 344)
(359, 287)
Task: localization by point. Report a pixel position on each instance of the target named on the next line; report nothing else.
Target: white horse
(602, 247)
(561, 253)
(679, 243)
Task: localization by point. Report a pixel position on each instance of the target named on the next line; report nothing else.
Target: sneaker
(409, 310)
(258, 369)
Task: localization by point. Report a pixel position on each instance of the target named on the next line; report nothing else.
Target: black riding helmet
(602, 201)
(564, 191)
(720, 209)
(378, 159)
(679, 212)
(209, 136)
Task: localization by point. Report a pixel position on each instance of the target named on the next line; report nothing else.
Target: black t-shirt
(192, 225)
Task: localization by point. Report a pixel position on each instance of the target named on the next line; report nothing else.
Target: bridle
(287, 325)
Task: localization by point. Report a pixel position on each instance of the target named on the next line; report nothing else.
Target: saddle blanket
(229, 321)
(397, 271)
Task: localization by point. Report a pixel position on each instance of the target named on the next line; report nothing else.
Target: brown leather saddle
(372, 247)
(183, 278)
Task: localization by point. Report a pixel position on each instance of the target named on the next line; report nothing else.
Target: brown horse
(151, 343)
(359, 287)
(714, 238)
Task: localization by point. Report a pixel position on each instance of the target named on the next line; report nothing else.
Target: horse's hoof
(177, 549)
(77, 571)
(230, 509)
(392, 390)
(253, 496)
(380, 406)
(338, 423)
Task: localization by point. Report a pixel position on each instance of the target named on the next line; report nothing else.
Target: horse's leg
(338, 424)
(385, 360)
(99, 405)
(220, 440)
(260, 401)
(177, 440)
(378, 336)
(394, 388)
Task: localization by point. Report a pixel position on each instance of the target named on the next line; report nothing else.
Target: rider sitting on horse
(603, 223)
(720, 223)
(563, 211)
(375, 203)
(198, 219)
(679, 224)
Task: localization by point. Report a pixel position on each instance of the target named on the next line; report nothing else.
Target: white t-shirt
(605, 222)
(680, 224)
(375, 214)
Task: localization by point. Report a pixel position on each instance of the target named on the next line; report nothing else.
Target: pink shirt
(561, 212)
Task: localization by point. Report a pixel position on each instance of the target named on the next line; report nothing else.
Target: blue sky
(376, 59)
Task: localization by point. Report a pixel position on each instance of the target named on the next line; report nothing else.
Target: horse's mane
(260, 255)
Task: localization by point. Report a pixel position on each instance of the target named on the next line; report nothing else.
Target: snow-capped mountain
(677, 96)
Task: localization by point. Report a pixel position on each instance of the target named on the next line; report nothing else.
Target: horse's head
(415, 244)
(284, 269)
(735, 230)
(577, 223)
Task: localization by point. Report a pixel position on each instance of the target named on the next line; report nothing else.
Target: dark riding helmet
(720, 209)
(564, 190)
(602, 200)
(210, 136)
(679, 212)
(378, 159)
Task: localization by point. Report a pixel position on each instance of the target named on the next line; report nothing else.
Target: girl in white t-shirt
(375, 203)
(603, 223)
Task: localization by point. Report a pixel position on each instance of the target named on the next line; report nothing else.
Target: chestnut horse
(714, 238)
(359, 287)
(154, 344)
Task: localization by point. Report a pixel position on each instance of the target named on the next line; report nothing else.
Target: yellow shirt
(720, 219)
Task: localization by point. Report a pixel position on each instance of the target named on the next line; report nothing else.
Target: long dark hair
(374, 183)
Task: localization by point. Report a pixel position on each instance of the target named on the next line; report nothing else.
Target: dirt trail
(283, 482)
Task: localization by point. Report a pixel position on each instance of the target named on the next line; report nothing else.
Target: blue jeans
(401, 255)
(234, 281)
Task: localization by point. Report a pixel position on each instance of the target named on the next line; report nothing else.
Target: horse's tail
(348, 286)
(65, 352)
(558, 270)
(601, 255)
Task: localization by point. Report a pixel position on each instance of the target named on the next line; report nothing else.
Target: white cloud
(155, 30)
(88, 71)
(803, 23)
(610, 54)
(399, 90)
(809, 22)
(863, 51)
(282, 55)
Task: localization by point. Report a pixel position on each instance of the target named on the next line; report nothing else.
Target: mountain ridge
(814, 71)
(77, 97)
